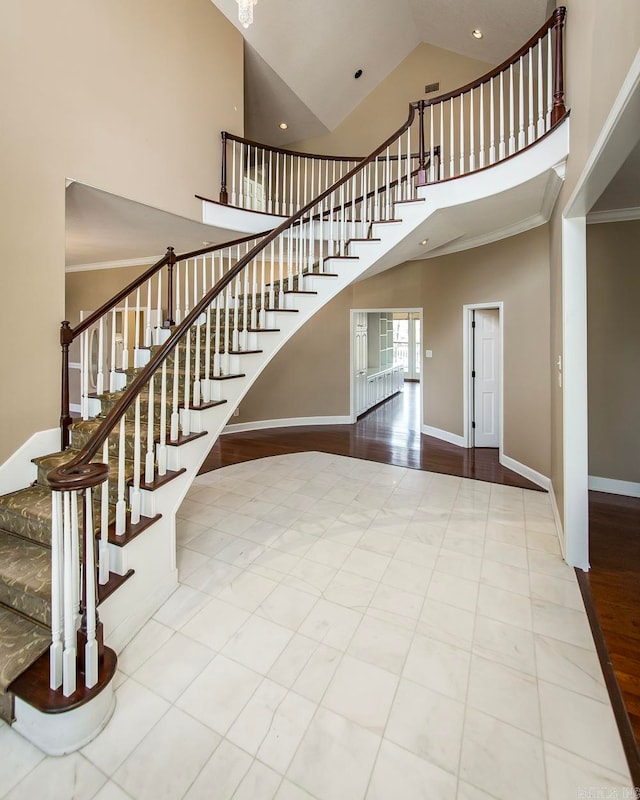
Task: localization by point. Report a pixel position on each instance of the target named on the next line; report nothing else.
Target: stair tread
(25, 577)
(21, 643)
(27, 512)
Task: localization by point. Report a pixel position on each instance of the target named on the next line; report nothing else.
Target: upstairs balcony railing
(226, 294)
(454, 134)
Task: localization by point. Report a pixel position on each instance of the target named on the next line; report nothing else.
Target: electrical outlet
(236, 412)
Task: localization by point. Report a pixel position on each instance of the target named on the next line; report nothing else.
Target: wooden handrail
(70, 475)
(283, 151)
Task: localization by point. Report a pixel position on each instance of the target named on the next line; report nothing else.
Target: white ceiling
(302, 54)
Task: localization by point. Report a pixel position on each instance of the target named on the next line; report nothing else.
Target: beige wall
(614, 356)
(126, 96)
(310, 376)
(603, 38)
(385, 108)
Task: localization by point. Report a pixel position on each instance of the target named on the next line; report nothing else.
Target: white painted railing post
(57, 593)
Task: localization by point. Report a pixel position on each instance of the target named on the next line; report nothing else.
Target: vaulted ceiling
(301, 55)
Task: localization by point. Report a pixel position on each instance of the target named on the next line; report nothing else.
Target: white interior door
(486, 377)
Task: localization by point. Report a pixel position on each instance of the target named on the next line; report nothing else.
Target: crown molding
(125, 262)
(613, 215)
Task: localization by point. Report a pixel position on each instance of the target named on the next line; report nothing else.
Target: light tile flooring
(347, 630)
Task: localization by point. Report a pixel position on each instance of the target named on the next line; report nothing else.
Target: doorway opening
(385, 352)
(406, 343)
(483, 371)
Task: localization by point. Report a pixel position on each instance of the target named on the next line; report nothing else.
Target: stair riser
(27, 604)
(38, 529)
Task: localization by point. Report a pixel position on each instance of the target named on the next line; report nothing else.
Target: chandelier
(245, 12)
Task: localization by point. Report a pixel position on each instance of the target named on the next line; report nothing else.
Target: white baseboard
(613, 486)
(75, 408)
(530, 474)
(18, 471)
(289, 422)
(557, 519)
(445, 436)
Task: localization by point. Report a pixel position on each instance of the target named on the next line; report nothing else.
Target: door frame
(352, 387)
(467, 361)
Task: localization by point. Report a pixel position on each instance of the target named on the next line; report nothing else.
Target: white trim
(446, 436)
(557, 519)
(466, 370)
(75, 365)
(18, 470)
(290, 422)
(575, 426)
(613, 486)
(527, 472)
(125, 262)
(613, 215)
(617, 137)
(76, 408)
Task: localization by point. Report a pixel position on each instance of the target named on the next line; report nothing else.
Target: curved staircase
(81, 531)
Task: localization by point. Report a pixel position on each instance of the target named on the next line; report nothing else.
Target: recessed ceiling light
(423, 242)
(477, 34)
(283, 126)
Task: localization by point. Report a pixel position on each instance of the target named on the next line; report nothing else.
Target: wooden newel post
(66, 337)
(224, 197)
(171, 256)
(558, 109)
(422, 165)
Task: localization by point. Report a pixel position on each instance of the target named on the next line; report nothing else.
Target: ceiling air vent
(431, 87)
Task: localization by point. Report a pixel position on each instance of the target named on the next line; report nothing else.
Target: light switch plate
(428, 353)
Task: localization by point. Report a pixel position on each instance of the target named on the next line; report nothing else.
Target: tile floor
(347, 630)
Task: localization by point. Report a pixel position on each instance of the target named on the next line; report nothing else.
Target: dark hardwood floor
(389, 433)
(614, 550)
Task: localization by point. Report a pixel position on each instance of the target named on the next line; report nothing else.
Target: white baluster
(75, 557)
(257, 317)
(540, 130)
(100, 373)
(159, 304)
(136, 331)
(531, 134)
(501, 145)
(492, 130)
(197, 327)
(441, 160)
(291, 194)
(70, 626)
(432, 159)
(112, 372)
(512, 128)
(216, 337)
(162, 444)
(85, 360)
(57, 592)
(549, 80)
(472, 139)
(178, 309)
(91, 645)
(452, 157)
(206, 384)
(103, 554)
(121, 505)
(185, 424)
(148, 332)
(125, 335)
(149, 462)
(256, 204)
(462, 155)
(304, 196)
(481, 128)
(135, 497)
(388, 190)
(521, 132)
(175, 411)
(234, 196)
